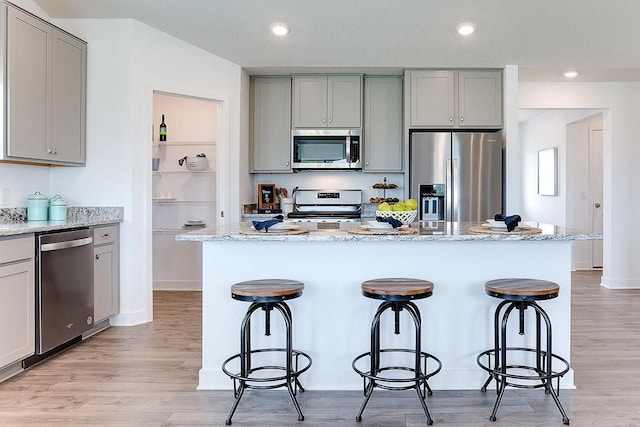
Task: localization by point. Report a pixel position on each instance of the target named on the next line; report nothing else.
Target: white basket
(405, 217)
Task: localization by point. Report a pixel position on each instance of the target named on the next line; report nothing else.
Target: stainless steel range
(332, 206)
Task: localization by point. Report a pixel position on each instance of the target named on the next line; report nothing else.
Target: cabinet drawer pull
(97, 256)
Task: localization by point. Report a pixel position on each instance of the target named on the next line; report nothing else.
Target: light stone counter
(13, 221)
(332, 318)
(428, 231)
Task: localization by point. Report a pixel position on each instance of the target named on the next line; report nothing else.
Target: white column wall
(127, 61)
(621, 174)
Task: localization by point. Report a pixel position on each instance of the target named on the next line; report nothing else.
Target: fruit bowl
(405, 217)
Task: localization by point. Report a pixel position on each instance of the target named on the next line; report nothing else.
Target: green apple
(411, 204)
(398, 207)
(384, 206)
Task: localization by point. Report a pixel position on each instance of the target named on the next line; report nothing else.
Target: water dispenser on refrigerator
(432, 202)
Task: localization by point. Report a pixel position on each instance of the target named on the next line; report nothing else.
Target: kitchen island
(332, 319)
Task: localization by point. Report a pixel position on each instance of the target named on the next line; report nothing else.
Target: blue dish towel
(510, 221)
(394, 222)
(259, 225)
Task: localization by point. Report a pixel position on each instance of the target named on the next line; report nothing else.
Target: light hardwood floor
(146, 376)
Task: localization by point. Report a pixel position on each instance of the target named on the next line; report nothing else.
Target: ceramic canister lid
(57, 200)
(37, 196)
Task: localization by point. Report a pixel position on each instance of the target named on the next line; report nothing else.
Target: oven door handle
(65, 245)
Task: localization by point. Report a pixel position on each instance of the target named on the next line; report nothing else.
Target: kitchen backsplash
(368, 209)
(334, 180)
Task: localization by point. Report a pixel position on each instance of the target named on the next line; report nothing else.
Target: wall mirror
(548, 172)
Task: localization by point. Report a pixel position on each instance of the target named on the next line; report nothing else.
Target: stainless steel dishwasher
(64, 287)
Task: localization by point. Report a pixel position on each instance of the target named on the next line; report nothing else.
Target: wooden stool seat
(267, 290)
(397, 288)
(521, 289)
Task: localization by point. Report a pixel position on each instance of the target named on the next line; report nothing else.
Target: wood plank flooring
(146, 376)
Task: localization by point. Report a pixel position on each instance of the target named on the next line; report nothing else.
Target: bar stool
(520, 294)
(267, 294)
(397, 295)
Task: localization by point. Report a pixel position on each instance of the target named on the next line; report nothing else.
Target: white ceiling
(598, 38)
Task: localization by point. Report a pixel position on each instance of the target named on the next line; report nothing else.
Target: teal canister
(37, 205)
(57, 208)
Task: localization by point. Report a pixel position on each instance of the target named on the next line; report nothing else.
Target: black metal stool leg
(245, 357)
(235, 403)
(501, 388)
(496, 338)
(549, 368)
(501, 379)
(374, 356)
(291, 378)
(367, 395)
(417, 321)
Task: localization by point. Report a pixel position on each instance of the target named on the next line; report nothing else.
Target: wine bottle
(163, 130)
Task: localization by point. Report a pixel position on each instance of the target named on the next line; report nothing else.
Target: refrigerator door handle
(455, 192)
(448, 214)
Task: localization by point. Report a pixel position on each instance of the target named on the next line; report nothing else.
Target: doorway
(585, 208)
(184, 172)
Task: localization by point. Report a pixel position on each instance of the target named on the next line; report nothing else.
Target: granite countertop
(427, 231)
(13, 221)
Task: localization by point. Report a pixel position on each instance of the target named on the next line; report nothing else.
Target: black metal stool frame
(544, 358)
(244, 378)
(372, 378)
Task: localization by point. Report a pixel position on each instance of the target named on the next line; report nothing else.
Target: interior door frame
(596, 195)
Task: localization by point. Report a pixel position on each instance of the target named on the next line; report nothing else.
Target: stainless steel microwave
(326, 149)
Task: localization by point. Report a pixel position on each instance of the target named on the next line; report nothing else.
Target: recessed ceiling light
(570, 74)
(466, 28)
(279, 29)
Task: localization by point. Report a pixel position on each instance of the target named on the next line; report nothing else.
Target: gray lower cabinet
(17, 302)
(106, 292)
(45, 91)
(382, 124)
(270, 124)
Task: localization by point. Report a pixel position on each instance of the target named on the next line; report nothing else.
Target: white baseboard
(610, 283)
(129, 318)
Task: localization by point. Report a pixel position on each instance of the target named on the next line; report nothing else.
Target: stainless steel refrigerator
(456, 176)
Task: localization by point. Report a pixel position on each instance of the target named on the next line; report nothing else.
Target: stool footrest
(248, 378)
(418, 376)
(540, 375)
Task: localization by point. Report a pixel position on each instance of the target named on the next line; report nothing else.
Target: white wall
(619, 101)
(544, 130)
(127, 61)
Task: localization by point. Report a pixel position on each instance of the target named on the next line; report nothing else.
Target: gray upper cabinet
(454, 99)
(45, 92)
(480, 98)
(68, 100)
(333, 101)
(270, 124)
(382, 124)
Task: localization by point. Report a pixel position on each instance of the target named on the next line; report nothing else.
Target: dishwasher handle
(45, 247)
